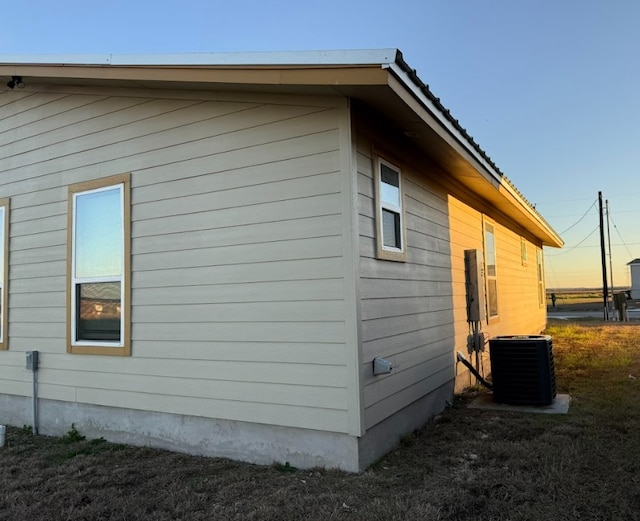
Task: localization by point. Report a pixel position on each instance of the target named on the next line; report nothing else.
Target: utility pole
(610, 252)
(605, 290)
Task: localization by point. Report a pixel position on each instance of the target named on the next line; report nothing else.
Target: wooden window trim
(125, 348)
(383, 252)
(5, 204)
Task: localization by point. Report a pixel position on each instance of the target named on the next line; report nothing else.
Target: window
(490, 271)
(389, 212)
(98, 267)
(541, 290)
(523, 251)
(4, 270)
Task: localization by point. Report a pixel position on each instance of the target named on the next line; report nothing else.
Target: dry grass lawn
(467, 465)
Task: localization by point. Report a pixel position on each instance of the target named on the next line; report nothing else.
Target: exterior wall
(238, 252)
(635, 280)
(519, 309)
(406, 307)
(414, 312)
(253, 318)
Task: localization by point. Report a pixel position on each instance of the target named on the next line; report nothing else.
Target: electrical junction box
(32, 360)
(476, 342)
(381, 366)
(474, 285)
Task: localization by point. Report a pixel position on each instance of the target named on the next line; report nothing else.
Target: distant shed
(634, 266)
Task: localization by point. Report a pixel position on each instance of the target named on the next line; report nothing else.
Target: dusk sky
(550, 89)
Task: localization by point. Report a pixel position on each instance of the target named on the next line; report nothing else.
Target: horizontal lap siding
(406, 307)
(237, 272)
(519, 310)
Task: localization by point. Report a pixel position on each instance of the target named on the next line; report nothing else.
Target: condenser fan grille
(522, 370)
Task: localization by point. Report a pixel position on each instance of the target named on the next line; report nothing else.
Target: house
(634, 267)
(209, 251)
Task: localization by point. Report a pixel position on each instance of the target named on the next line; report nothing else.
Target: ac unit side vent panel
(523, 370)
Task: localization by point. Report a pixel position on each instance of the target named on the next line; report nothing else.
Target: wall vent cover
(522, 369)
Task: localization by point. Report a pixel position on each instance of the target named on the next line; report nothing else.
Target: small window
(490, 271)
(99, 267)
(523, 251)
(541, 289)
(389, 215)
(4, 270)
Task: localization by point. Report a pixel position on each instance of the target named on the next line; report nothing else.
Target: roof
(378, 77)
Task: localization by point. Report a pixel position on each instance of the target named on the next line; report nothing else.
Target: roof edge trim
(261, 58)
(412, 81)
(409, 77)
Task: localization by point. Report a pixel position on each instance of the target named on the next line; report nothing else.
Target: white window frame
(540, 275)
(383, 251)
(523, 251)
(4, 273)
(80, 346)
(488, 276)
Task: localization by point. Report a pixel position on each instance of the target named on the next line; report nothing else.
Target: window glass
(541, 289)
(389, 185)
(491, 272)
(99, 311)
(493, 297)
(490, 249)
(391, 229)
(3, 293)
(2, 240)
(98, 234)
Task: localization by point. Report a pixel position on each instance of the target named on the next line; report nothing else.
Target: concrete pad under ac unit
(560, 405)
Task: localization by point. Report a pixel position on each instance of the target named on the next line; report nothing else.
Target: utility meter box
(32, 360)
(474, 285)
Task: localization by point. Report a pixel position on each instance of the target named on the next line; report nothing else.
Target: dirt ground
(465, 465)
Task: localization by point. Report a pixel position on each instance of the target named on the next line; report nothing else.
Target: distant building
(634, 266)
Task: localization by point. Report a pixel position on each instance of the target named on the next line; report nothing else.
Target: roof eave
(497, 184)
(346, 72)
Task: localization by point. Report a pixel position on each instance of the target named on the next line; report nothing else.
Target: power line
(574, 247)
(598, 246)
(549, 271)
(623, 243)
(583, 216)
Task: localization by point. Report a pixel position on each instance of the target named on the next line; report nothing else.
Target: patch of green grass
(74, 444)
(81, 448)
(286, 468)
(72, 435)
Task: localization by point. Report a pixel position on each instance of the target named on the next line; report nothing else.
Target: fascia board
(430, 106)
(239, 59)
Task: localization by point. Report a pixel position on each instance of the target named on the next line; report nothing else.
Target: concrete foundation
(386, 436)
(241, 441)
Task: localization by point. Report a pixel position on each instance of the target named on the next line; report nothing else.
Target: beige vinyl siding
(406, 307)
(519, 310)
(238, 294)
